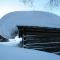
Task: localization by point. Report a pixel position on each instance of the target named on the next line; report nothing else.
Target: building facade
(40, 38)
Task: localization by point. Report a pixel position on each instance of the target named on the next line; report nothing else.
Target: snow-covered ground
(16, 53)
(10, 51)
(12, 42)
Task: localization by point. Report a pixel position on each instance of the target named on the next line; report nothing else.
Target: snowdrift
(15, 53)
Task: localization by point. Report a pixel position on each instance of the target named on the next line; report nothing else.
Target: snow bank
(15, 53)
(12, 42)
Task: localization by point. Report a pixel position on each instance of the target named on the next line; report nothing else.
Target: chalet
(39, 30)
(40, 38)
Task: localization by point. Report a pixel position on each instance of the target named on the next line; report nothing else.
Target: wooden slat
(40, 38)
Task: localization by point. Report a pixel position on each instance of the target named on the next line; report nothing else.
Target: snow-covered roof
(9, 22)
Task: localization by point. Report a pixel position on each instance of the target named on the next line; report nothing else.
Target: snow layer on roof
(9, 22)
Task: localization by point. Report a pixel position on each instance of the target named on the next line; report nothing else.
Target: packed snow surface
(16, 53)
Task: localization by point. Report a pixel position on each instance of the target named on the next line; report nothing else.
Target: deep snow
(9, 22)
(15, 53)
(12, 42)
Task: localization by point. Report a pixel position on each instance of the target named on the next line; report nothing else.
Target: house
(39, 30)
(40, 38)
